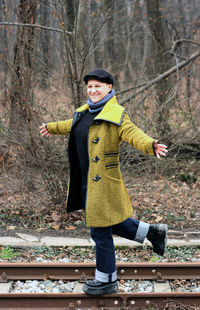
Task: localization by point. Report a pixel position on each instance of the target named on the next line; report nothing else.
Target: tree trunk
(3, 35)
(21, 92)
(70, 14)
(159, 63)
(109, 46)
(97, 59)
(45, 49)
(4, 53)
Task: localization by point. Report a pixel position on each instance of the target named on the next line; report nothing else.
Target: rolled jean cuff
(105, 277)
(142, 232)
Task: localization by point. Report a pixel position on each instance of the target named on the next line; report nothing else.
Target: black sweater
(80, 135)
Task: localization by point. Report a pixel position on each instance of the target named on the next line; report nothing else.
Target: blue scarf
(98, 106)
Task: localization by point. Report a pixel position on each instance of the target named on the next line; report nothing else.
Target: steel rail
(82, 271)
(70, 301)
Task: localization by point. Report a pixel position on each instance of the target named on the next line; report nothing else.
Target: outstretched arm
(56, 128)
(137, 138)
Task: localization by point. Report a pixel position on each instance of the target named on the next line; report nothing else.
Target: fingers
(161, 150)
(44, 131)
(163, 145)
(45, 134)
(162, 153)
(43, 126)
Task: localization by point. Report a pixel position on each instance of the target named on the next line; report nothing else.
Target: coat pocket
(112, 165)
(112, 154)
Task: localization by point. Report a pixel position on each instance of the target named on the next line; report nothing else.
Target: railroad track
(156, 272)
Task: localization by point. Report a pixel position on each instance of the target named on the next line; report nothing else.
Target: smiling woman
(97, 90)
(96, 184)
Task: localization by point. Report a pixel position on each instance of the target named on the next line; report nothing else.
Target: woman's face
(97, 90)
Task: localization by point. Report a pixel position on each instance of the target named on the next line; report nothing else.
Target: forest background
(152, 49)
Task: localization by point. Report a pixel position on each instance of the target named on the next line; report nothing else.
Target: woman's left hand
(160, 149)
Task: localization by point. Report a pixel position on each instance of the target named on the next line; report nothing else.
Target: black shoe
(157, 235)
(95, 287)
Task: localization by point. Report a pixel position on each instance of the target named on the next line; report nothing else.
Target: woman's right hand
(44, 131)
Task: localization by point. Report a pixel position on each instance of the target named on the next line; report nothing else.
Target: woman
(96, 183)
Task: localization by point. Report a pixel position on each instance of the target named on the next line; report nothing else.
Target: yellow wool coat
(107, 200)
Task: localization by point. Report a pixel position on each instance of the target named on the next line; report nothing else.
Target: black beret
(99, 75)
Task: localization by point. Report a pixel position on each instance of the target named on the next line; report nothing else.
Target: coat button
(97, 178)
(96, 159)
(96, 140)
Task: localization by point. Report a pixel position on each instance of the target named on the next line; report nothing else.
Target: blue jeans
(105, 251)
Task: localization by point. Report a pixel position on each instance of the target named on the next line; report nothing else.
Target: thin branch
(121, 92)
(162, 76)
(186, 41)
(92, 37)
(35, 26)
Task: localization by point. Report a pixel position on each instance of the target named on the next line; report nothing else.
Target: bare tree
(45, 46)
(21, 73)
(3, 50)
(3, 34)
(159, 63)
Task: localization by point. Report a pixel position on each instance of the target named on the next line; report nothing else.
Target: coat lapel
(112, 112)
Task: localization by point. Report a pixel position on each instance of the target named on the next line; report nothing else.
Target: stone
(65, 288)
(195, 290)
(78, 288)
(46, 282)
(63, 260)
(6, 287)
(29, 238)
(56, 290)
(161, 287)
(61, 241)
(12, 241)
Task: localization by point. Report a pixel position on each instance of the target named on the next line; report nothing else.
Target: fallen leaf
(56, 226)
(11, 227)
(158, 218)
(55, 216)
(70, 228)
